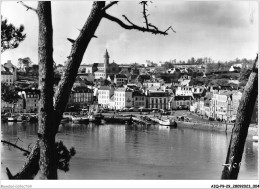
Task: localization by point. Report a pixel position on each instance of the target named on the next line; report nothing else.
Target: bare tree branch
(171, 29)
(15, 146)
(28, 7)
(133, 26)
(128, 20)
(109, 5)
(71, 40)
(144, 3)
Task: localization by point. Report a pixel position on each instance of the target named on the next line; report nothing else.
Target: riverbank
(220, 127)
(196, 123)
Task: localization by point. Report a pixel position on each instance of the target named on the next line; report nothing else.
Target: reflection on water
(123, 152)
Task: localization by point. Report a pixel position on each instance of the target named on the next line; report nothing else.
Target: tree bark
(240, 130)
(46, 131)
(78, 49)
(31, 166)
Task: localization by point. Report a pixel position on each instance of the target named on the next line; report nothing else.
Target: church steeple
(106, 56)
(106, 63)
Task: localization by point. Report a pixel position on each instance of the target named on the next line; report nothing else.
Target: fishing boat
(80, 119)
(167, 122)
(12, 119)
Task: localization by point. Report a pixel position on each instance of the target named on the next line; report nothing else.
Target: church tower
(106, 63)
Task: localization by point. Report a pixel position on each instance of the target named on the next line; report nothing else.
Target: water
(118, 152)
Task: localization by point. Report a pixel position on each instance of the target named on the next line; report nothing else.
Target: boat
(67, 115)
(116, 119)
(255, 138)
(167, 122)
(21, 118)
(80, 119)
(12, 119)
(64, 120)
(33, 118)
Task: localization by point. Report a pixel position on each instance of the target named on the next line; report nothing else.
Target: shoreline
(252, 130)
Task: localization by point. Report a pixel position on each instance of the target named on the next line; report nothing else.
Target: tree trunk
(240, 130)
(74, 59)
(46, 131)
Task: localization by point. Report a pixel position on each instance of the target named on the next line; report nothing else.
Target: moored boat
(12, 119)
(167, 122)
(80, 119)
(115, 119)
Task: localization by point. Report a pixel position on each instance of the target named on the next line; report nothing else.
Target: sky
(221, 30)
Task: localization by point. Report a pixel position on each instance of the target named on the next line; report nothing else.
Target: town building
(8, 73)
(7, 77)
(123, 98)
(104, 95)
(157, 99)
(150, 83)
(84, 68)
(139, 99)
(222, 103)
(184, 91)
(28, 103)
(120, 79)
(80, 97)
(177, 101)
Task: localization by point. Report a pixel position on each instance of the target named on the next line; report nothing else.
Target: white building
(123, 98)
(104, 95)
(184, 91)
(99, 75)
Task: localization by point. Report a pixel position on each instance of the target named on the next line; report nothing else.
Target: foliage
(168, 65)
(63, 156)
(26, 62)
(8, 93)
(244, 74)
(10, 35)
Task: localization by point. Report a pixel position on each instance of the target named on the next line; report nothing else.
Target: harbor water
(121, 152)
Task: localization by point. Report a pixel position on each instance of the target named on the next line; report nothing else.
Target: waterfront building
(178, 101)
(111, 103)
(80, 96)
(157, 99)
(139, 99)
(28, 103)
(123, 98)
(222, 103)
(6, 107)
(104, 95)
